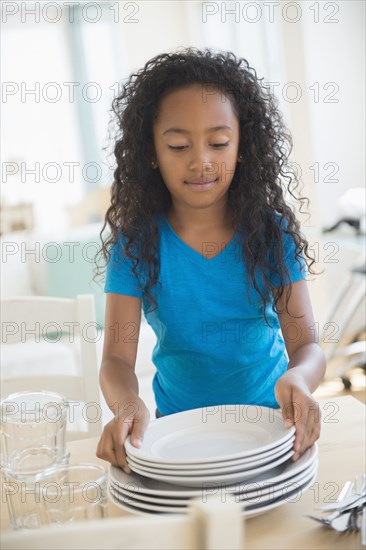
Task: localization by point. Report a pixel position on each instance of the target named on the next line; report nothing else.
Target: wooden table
(341, 457)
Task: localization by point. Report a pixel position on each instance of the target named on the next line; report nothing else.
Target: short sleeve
(296, 265)
(119, 276)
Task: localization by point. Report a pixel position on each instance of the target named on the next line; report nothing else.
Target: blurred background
(63, 62)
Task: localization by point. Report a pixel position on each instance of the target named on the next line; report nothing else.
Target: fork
(347, 503)
(363, 528)
(359, 489)
(346, 491)
(345, 518)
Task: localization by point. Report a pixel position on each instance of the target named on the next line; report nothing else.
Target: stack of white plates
(242, 450)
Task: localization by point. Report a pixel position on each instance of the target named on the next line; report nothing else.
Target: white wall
(324, 54)
(305, 52)
(332, 54)
(311, 50)
(160, 26)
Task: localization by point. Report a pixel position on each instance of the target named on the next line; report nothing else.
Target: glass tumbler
(63, 494)
(32, 431)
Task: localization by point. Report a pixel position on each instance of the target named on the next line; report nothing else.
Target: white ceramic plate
(142, 484)
(196, 481)
(127, 503)
(202, 435)
(248, 511)
(280, 490)
(225, 467)
(219, 464)
(261, 509)
(215, 474)
(252, 495)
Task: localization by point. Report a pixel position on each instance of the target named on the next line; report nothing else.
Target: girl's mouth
(201, 186)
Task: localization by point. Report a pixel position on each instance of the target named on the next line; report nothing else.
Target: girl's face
(196, 139)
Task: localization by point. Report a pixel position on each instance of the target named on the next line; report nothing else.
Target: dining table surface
(341, 457)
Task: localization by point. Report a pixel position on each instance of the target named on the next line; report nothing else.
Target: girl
(203, 241)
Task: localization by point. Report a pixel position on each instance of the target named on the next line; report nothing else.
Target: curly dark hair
(257, 189)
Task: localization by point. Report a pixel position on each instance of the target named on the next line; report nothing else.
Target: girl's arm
(305, 370)
(118, 380)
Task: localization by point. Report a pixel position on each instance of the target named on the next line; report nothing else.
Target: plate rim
(139, 452)
(152, 499)
(261, 510)
(244, 513)
(212, 466)
(301, 463)
(213, 471)
(220, 478)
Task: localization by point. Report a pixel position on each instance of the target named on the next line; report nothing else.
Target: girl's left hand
(299, 409)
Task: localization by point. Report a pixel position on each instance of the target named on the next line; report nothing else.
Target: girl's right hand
(132, 418)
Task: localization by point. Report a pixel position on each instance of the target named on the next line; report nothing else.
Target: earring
(153, 163)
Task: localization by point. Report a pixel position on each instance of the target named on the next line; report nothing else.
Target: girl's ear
(151, 156)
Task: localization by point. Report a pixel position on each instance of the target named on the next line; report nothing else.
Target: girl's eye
(182, 147)
(220, 144)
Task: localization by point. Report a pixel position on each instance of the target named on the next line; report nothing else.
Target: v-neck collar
(193, 254)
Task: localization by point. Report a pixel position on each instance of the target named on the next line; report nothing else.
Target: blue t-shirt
(213, 344)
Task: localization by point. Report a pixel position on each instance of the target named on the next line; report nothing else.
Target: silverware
(347, 521)
(360, 487)
(341, 522)
(350, 502)
(323, 521)
(349, 495)
(346, 491)
(363, 528)
(360, 484)
(347, 509)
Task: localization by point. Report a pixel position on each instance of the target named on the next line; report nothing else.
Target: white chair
(211, 525)
(30, 326)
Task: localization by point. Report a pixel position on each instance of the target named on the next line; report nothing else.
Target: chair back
(39, 328)
(212, 525)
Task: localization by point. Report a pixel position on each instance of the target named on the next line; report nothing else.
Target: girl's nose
(200, 160)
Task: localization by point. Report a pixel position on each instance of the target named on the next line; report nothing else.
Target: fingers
(289, 415)
(284, 397)
(140, 423)
(119, 436)
(307, 428)
(111, 444)
(300, 425)
(105, 449)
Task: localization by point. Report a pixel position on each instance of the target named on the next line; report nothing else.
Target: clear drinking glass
(32, 431)
(63, 494)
